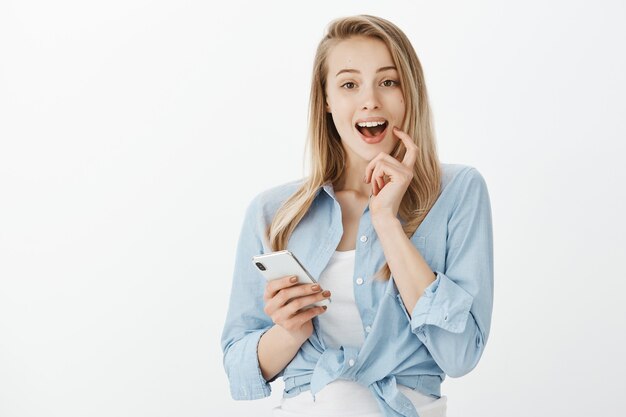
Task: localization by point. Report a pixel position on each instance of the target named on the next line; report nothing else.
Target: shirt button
(363, 238)
(359, 281)
(368, 329)
(351, 362)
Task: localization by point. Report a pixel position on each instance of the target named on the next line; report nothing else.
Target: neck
(352, 179)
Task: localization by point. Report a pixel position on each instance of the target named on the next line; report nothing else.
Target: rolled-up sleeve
(453, 316)
(246, 321)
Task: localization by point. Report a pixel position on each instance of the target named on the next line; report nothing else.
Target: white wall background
(134, 133)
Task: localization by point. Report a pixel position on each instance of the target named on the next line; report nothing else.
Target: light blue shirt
(445, 334)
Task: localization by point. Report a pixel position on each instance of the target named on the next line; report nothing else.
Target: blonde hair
(324, 143)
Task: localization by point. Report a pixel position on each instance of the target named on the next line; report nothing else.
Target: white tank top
(341, 325)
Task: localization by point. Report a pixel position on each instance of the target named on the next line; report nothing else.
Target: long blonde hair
(324, 143)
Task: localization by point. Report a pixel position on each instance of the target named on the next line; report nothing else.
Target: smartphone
(283, 263)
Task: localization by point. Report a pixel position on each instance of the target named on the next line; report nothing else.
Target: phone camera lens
(260, 266)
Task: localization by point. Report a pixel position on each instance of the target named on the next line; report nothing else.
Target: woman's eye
(390, 83)
(349, 85)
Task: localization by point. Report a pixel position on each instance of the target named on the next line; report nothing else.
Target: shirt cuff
(245, 377)
(443, 304)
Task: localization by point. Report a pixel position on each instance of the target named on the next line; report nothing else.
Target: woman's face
(363, 95)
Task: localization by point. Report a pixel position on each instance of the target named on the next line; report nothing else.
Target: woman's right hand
(285, 302)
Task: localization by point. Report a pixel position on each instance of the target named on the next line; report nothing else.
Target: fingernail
(326, 293)
(293, 279)
(315, 287)
(324, 307)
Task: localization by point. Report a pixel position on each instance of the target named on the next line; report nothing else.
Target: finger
(309, 313)
(377, 177)
(381, 157)
(411, 148)
(295, 307)
(380, 181)
(275, 285)
(369, 169)
(375, 188)
(300, 290)
(392, 172)
(301, 302)
(383, 169)
(283, 296)
(371, 166)
(380, 184)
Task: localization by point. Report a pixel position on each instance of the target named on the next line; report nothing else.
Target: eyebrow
(381, 69)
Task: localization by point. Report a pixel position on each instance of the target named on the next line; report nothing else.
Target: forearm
(411, 273)
(276, 349)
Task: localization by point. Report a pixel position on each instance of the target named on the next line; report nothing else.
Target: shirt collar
(329, 189)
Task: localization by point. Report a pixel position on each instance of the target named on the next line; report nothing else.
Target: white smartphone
(283, 263)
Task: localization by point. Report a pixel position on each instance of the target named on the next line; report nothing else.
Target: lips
(372, 134)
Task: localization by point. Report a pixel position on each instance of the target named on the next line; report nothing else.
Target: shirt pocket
(428, 252)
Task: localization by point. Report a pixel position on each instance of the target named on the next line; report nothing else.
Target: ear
(327, 106)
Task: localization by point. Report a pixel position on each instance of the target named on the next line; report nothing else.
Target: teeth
(370, 124)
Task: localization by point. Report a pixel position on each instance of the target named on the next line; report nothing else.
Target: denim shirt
(445, 334)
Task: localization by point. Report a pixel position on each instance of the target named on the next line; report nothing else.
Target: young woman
(402, 242)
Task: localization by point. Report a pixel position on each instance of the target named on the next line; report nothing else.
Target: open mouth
(372, 132)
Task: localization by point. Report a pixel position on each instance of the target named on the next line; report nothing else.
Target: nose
(370, 99)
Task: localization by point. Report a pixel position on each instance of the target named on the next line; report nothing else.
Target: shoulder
(268, 201)
(462, 184)
(459, 176)
(273, 197)
(452, 173)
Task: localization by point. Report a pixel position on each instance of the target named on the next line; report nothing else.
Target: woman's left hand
(390, 178)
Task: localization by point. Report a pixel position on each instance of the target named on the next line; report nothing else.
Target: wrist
(384, 219)
(293, 339)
